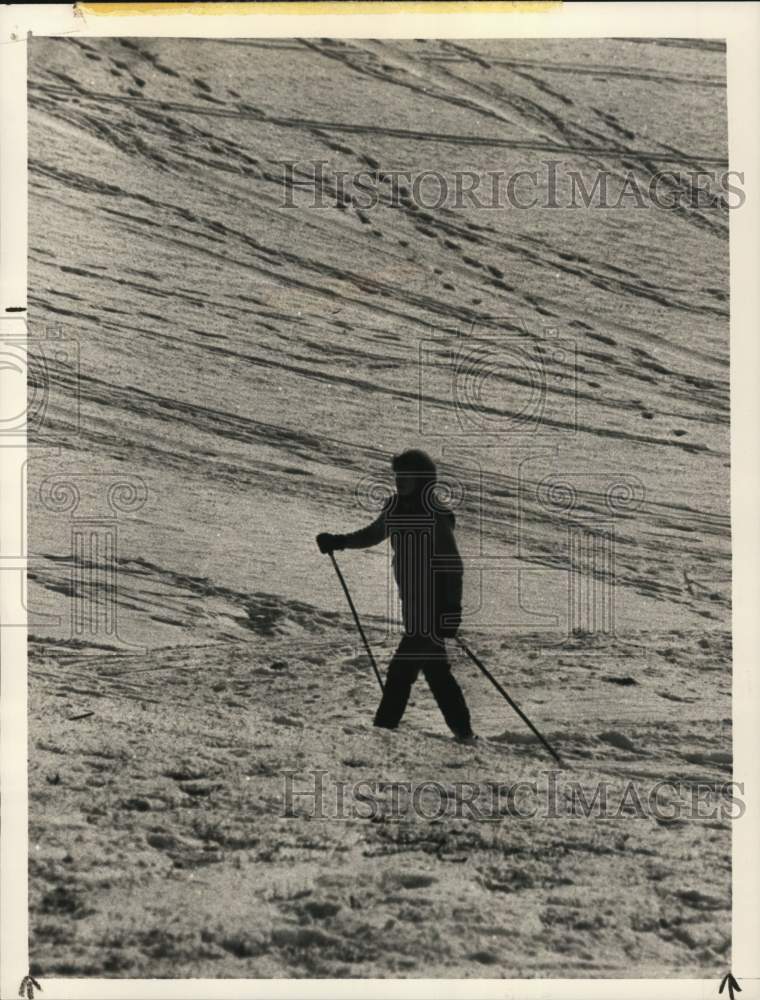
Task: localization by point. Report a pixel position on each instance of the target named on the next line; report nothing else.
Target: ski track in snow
(252, 363)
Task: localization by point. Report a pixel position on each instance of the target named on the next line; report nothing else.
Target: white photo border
(736, 23)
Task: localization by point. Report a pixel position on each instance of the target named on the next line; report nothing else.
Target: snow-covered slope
(248, 363)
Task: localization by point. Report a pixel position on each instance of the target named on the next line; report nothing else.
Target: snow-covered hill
(247, 364)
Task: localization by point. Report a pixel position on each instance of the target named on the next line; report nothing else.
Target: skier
(428, 572)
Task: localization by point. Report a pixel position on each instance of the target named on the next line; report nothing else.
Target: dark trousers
(417, 653)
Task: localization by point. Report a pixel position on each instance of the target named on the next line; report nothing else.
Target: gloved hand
(327, 542)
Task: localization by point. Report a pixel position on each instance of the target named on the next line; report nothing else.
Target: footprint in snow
(285, 720)
(618, 740)
(716, 757)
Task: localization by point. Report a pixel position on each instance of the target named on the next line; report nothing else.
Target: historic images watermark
(316, 795)
(91, 508)
(502, 383)
(551, 184)
(499, 405)
(44, 361)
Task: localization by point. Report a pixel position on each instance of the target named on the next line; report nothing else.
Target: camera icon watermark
(35, 367)
(498, 384)
(78, 592)
(415, 544)
(581, 511)
(539, 548)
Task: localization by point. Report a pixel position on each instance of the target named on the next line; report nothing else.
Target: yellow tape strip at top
(328, 7)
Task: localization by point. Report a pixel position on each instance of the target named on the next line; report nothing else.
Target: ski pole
(509, 700)
(356, 619)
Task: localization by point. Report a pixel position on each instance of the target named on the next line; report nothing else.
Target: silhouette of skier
(428, 572)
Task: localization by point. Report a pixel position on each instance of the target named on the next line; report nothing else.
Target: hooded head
(415, 473)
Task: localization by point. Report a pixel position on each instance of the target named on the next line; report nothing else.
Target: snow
(254, 367)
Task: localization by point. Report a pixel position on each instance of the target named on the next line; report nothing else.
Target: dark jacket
(426, 563)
